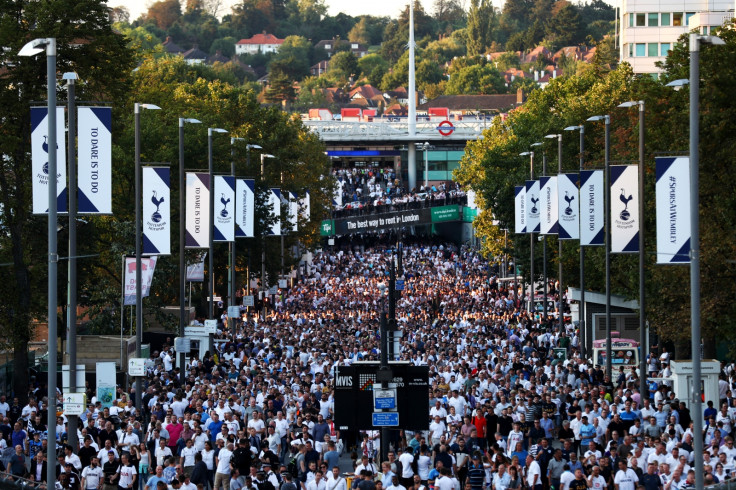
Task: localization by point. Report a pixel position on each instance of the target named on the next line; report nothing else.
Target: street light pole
(263, 246)
(210, 169)
(643, 390)
(231, 277)
(581, 321)
(607, 226)
(30, 49)
(695, 41)
(182, 239)
(544, 252)
(138, 275)
(71, 338)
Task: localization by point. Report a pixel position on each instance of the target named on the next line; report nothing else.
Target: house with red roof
(260, 43)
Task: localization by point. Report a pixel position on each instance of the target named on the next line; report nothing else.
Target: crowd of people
(368, 191)
(505, 414)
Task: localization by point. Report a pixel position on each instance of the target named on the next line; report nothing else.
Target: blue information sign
(385, 419)
(399, 285)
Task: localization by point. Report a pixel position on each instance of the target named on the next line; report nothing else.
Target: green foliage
(344, 66)
(444, 50)
(476, 80)
(396, 34)
(507, 60)
(481, 24)
(368, 30)
(293, 58)
(103, 64)
(449, 16)
(373, 67)
(492, 167)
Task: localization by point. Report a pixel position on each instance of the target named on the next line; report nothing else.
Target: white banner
(94, 161)
(245, 191)
(275, 205)
(520, 209)
(624, 208)
(548, 215)
(532, 206)
(156, 211)
(337, 197)
(198, 210)
(568, 207)
(591, 208)
(471, 199)
(224, 208)
(673, 210)
(40, 160)
(305, 209)
(293, 216)
(148, 266)
(195, 271)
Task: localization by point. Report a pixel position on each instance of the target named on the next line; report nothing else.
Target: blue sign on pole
(384, 399)
(399, 285)
(385, 419)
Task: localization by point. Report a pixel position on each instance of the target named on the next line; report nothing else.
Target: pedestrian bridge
(397, 129)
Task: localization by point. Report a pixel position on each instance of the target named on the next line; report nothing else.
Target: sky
(391, 8)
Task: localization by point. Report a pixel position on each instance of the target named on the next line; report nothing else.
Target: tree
(368, 30)
(476, 80)
(344, 65)
(164, 13)
(280, 87)
(293, 58)
(449, 15)
(373, 67)
(563, 29)
(481, 23)
(104, 63)
(396, 35)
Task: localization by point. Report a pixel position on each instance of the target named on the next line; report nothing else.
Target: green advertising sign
(469, 214)
(445, 213)
(327, 228)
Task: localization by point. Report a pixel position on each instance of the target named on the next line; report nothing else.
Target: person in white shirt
(187, 456)
(566, 477)
(222, 471)
(443, 481)
(92, 475)
(319, 482)
(596, 481)
(395, 485)
(126, 474)
(625, 478)
(407, 472)
(335, 481)
(533, 474)
(437, 429)
(162, 453)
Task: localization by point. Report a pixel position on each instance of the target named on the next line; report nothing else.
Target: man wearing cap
(270, 475)
(476, 473)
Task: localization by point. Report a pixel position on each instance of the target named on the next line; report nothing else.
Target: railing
(397, 130)
(369, 209)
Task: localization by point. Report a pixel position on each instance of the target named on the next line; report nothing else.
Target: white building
(260, 43)
(650, 28)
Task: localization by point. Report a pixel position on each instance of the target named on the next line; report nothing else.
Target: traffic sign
(385, 419)
(233, 311)
(399, 285)
(210, 326)
(283, 283)
(248, 300)
(75, 403)
(273, 290)
(136, 366)
(560, 353)
(384, 399)
(197, 331)
(182, 344)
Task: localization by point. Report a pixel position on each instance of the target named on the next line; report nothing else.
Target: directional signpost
(560, 354)
(75, 403)
(248, 300)
(136, 366)
(385, 419)
(384, 399)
